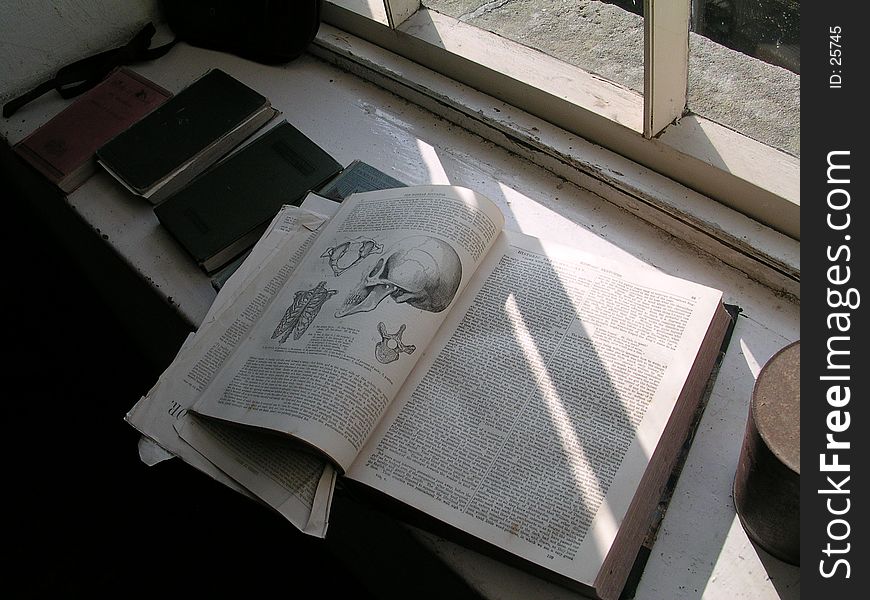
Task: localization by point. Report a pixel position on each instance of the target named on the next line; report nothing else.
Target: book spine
(39, 163)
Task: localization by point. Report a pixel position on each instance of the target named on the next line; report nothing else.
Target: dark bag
(266, 31)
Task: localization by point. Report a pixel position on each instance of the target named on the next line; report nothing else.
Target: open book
(528, 394)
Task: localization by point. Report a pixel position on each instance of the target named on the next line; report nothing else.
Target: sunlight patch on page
(583, 467)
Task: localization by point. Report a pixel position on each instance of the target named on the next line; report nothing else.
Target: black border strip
(834, 557)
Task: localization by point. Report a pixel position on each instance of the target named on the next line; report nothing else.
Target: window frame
(665, 80)
(651, 129)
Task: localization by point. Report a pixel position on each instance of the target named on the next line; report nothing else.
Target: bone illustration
(388, 349)
(420, 270)
(306, 305)
(346, 255)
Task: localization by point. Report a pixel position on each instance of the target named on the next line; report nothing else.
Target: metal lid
(776, 405)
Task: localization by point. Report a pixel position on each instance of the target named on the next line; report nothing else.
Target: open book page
(155, 414)
(532, 418)
(307, 483)
(328, 355)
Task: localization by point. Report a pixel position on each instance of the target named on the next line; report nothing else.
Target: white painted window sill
(768, 178)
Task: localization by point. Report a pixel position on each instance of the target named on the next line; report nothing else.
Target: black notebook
(187, 134)
(224, 211)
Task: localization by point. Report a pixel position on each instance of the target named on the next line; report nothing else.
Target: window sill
(754, 179)
(727, 186)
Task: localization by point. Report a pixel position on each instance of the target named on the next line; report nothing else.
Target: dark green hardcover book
(358, 176)
(224, 211)
(185, 135)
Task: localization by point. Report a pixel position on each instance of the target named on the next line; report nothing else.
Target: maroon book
(63, 148)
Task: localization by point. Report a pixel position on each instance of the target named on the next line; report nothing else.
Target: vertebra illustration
(306, 305)
(420, 270)
(387, 350)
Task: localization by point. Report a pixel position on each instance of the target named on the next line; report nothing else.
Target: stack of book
(63, 149)
(358, 176)
(204, 158)
(224, 212)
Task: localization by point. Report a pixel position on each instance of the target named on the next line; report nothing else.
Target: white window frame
(666, 63)
(651, 129)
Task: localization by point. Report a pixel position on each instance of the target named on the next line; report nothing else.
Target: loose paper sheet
(307, 482)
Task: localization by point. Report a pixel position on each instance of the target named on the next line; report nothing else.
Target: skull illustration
(420, 270)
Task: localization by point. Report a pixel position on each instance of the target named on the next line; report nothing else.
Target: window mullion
(666, 63)
(398, 11)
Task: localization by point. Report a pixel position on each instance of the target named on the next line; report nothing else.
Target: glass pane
(599, 37)
(744, 68)
(766, 29)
